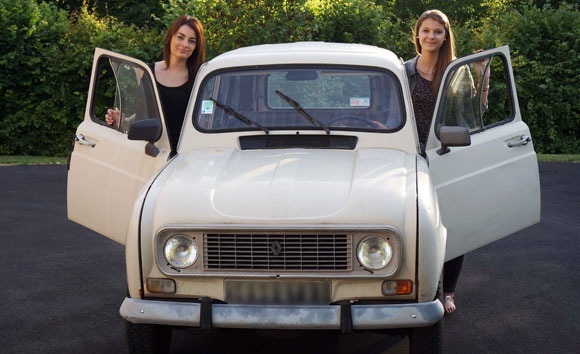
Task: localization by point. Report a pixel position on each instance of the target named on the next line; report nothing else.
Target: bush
(46, 54)
(30, 34)
(128, 11)
(230, 25)
(545, 51)
(47, 60)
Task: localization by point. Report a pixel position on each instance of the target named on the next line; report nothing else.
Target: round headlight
(374, 252)
(180, 251)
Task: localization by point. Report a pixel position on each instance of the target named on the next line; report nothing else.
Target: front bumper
(282, 317)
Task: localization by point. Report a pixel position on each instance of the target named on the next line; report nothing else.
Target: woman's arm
(482, 78)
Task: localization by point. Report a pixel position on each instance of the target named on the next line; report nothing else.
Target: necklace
(423, 71)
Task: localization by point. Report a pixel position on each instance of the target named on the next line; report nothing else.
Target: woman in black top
(183, 54)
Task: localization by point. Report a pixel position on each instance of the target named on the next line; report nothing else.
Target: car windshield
(290, 98)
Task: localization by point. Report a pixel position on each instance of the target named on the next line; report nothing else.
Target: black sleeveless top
(174, 104)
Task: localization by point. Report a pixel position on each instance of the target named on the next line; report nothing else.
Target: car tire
(147, 338)
(428, 340)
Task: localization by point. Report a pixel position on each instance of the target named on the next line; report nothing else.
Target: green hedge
(29, 40)
(45, 59)
(230, 25)
(46, 54)
(545, 50)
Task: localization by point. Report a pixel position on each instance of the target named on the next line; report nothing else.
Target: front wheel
(147, 338)
(428, 340)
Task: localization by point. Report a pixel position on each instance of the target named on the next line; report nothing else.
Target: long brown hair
(198, 56)
(447, 50)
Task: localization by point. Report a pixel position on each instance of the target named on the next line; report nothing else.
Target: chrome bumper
(282, 317)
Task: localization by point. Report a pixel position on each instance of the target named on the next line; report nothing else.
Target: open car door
(107, 170)
(490, 188)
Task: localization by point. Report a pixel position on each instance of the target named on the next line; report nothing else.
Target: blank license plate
(274, 292)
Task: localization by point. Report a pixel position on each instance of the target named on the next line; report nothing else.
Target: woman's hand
(112, 117)
(379, 124)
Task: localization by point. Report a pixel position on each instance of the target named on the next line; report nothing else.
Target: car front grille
(279, 252)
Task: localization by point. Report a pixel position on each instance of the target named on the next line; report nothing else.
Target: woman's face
(431, 35)
(183, 42)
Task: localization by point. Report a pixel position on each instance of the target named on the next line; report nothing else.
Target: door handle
(83, 141)
(524, 139)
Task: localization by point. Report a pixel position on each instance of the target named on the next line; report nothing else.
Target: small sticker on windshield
(206, 107)
(360, 102)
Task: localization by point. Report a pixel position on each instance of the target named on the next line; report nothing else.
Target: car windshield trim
(383, 84)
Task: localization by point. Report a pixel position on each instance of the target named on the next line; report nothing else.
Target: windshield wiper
(301, 110)
(230, 111)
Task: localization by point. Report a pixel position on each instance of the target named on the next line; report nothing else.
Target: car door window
(499, 107)
(123, 87)
(468, 103)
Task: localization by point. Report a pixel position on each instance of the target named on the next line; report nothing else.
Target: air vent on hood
(340, 142)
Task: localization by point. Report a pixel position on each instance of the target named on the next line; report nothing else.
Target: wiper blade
(230, 111)
(301, 110)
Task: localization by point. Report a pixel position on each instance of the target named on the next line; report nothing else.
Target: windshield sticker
(360, 102)
(206, 107)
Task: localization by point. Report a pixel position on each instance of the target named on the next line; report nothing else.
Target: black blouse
(174, 102)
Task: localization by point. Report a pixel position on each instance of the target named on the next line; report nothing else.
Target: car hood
(285, 186)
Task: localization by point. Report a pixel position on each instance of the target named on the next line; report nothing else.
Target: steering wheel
(351, 117)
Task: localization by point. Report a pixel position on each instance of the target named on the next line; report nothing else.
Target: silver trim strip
(282, 317)
(280, 227)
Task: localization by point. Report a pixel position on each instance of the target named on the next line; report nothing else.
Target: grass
(559, 158)
(52, 160)
(32, 160)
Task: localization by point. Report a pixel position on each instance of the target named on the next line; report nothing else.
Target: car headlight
(180, 251)
(374, 252)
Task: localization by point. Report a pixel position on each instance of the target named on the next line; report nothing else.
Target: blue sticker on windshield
(206, 107)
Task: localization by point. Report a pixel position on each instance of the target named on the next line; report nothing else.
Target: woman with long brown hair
(435, 47)
(183, 54)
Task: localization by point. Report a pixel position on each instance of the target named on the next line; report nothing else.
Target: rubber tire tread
(147, 338)
(428, 340)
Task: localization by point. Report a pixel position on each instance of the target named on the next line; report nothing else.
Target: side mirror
(147, 130)
(453, 136)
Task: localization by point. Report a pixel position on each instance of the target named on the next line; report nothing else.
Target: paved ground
(61, 285)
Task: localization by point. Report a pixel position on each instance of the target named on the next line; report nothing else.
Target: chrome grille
(280, 252)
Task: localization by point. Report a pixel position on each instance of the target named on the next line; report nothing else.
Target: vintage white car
(299, 197)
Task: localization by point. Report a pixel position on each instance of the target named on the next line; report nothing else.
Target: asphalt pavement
(61, 285)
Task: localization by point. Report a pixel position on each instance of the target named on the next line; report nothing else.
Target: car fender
(431, 235)
(132, 242)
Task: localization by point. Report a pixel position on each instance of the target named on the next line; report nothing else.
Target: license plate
(277, 292)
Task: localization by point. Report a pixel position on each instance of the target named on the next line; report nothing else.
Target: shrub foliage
(46, 52)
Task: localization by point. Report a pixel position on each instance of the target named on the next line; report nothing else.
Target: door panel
(489, 189)
(106, 176)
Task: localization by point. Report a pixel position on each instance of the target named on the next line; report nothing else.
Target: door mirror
(147, 130)
(453, 136)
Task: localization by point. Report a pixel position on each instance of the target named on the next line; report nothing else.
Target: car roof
(307, 53)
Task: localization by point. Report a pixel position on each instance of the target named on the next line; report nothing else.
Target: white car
(298, 196)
